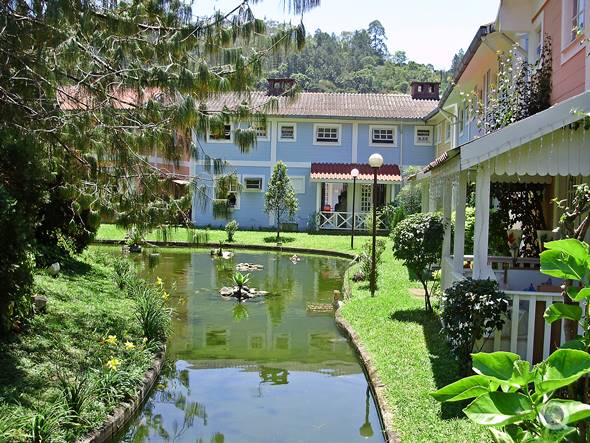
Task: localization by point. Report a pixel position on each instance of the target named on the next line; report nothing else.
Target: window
(538, 42)
(262, 131)
(298, 183)
(439, 130)
(423, 136)
(327, 134)
(224, 136)
(487, 79)
(383, 136)
(253, 184)
(577, 21)
(419, 88)
(231, 189)
(461, 119)
(447, 132)
(287, 132)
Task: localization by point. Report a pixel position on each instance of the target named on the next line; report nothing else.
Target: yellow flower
(159, 281)
(129, 345)
(165, 296)
(113, 364)
(111, 340)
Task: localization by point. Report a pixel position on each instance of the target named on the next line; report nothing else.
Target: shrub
(365, 259)
(409, 198)
(471, 311)
(230, 229)
(150, 310)
(123, 271)
(417, 241)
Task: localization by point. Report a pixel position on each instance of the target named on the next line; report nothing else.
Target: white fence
(343, 220)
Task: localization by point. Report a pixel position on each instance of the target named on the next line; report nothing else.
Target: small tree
(280, 198)
(417, 241)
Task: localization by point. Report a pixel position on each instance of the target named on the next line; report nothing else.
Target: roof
(330, 105)
(341, 172)
(482, 32)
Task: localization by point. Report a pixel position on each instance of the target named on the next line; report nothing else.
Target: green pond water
(268, 370)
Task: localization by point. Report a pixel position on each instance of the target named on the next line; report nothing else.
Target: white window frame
(383, 145)
(338, 128)
(222, 140)
(301, 179)
(237, 191)
(265, 138)
(439, 131)
(252, 177)
(416, 129)
(287, 140)
(571, 20)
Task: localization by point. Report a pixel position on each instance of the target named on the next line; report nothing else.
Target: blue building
(321, 137)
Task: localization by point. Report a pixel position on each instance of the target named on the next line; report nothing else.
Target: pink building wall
(569, 74)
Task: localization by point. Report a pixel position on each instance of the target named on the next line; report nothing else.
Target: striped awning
(341, 172)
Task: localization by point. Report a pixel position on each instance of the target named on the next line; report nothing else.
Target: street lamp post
(355, 174)
(375, 161)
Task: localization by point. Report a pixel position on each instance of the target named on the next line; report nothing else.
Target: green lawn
(261, 238)
(68, 342)
(411, 357)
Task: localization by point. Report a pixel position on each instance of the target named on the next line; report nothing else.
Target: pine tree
(280, 199)
(101, 86)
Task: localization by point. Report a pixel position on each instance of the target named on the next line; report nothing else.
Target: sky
(430, 31)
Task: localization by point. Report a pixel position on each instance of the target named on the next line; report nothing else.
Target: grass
(55, 379)
(411, 357)
(291, 239)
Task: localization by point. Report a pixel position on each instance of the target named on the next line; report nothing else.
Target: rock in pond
(243, 294)
(248, 267)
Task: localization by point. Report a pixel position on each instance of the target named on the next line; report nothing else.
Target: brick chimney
(426, 90)
(278, 86)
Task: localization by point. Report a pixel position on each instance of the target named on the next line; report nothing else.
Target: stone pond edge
(127, 409)
(375, 382)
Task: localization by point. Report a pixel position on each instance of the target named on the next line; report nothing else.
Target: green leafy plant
(569, 259)
(365, 259)
(122, 271)
(280, 199)
(230, 229)
(77, 392)
(150, 309)
(520, 403)
(135, 236)
(417, 241)
(471, 311)
(47, 423)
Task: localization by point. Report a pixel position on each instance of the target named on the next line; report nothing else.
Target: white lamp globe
(355, 172)
(376, 160)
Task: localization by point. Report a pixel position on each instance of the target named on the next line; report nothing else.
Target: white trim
(273, 142)
(383, 145)
(355, 142)
(287, 140)
(222, 141)
(417, 128)
(259, 163)
(298, 177)
(336, 126)
(252, 177)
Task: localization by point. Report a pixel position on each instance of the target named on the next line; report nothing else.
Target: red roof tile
(341, 171)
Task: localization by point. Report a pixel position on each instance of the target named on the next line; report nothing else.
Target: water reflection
(267, 370)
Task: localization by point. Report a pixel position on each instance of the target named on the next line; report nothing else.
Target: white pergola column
(447, 208)
(425, 195)
(482, 223)
(459, 243)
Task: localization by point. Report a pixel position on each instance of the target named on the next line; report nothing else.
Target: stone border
(230, 246)
(123, 413)
(377, 387)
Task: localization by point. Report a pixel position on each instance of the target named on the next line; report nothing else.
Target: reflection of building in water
(277, 332)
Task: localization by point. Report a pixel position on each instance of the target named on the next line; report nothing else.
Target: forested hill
(356, 61)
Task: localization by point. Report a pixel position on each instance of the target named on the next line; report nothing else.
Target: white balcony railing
(343, 221)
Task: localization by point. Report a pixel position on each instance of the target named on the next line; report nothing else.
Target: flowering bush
(472, 310)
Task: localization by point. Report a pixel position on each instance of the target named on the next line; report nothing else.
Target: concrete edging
(230, 246)
(123, 413)
(375, 383)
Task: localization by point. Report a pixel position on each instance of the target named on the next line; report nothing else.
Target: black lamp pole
(373, 258)
(353, 201)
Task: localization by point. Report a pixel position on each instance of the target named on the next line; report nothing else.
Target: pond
(273, 369)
